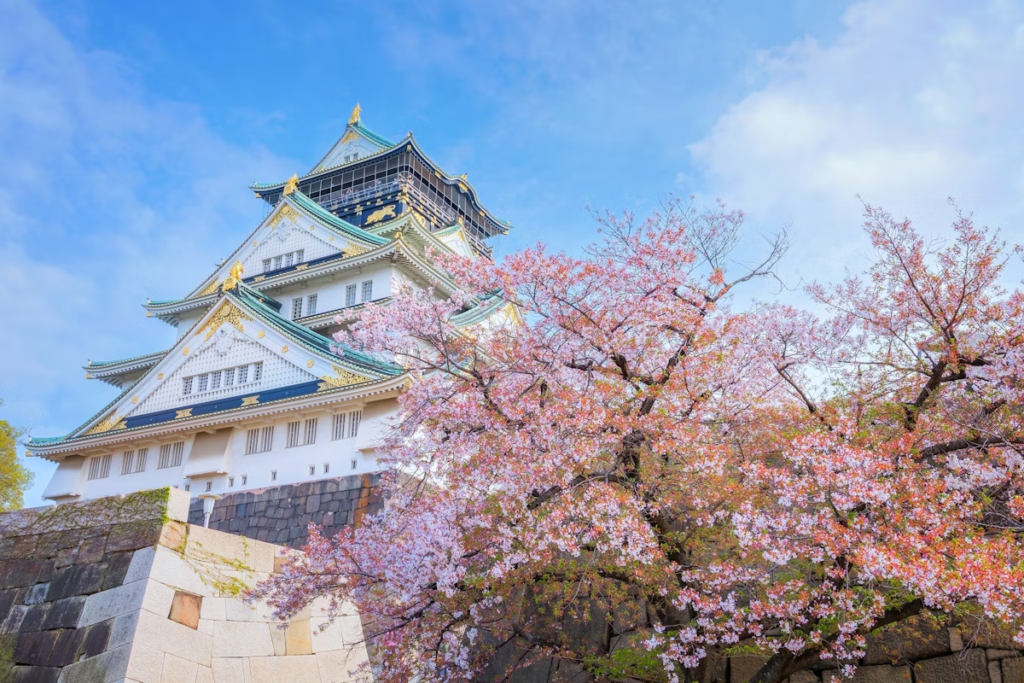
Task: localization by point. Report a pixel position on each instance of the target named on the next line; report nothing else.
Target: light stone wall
(170, 615)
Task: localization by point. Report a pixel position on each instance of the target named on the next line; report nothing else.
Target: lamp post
(208, 501)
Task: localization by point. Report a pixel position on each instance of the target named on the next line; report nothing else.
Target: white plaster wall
(227, 348)
(68, 478)
(331, 295)
(285, 238)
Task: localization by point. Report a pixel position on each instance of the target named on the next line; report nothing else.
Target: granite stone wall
(282, 514)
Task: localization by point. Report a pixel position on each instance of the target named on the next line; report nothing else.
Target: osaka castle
(253, 391)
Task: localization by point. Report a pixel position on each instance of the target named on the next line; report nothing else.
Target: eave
(109, 371)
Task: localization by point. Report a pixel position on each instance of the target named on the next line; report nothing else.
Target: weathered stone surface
(995, 672)
(298, 638)
(242, 639)
(35, 595)
(163, 635)
(64, 613)
(91, 550)
(66, 647)
(117, 568)
(742, 667)
(185, 609)
(983, 632)
(178, 669)
(34, 617)
(1012, 670)
(804, 677)
(969, 666)
(78, 579)
(21, 573)
(134, 535)
(111, 603)
(96, 638)
(34, 674)
(35, 647)
(871, 674)
(922, 637)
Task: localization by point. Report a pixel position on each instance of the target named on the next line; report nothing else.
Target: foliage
(15, 478)
(764, 478)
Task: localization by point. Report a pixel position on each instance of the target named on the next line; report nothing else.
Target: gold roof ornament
(356, 113)
(234, 276)
(291, 185)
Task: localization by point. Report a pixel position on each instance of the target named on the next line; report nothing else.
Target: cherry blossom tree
(635, 476)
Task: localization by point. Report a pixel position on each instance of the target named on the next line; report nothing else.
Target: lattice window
(128, 462)
(215, 380)
(296, 308)
(278, 262)
(312, 470)
(367, 290)
(289, 259)
(266, 439)
(273, 475)
(354, 418)
(267, 263)
(257, 371)
(327, 467)
(134, 461)
(203, 380)
(245, 479)
(338, 427)
(229, 377)
(350, 295)
(252, 441)
(170, 455)
(99, 467)
(243, 374)
(311, 304)
(186, 388)
(293, 435)
(310, 431)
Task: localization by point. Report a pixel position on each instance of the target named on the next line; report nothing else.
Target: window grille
(229, 377)
(266, 439)
(353, 423)
(203, 379)
(367, 290)
(245, 479)
(310, 431)
(243, 374)
(215, 380)
(296, 308)
(267, 264)
(128, 462)
(209, 486)
(288, 259)
(257, 371)
(338, 427)
(277, 262)
(170, 455)
(327, 467)
(293, 435)
(252, 441)
(299, 254)
(311, 304)
(353, 464)
(231, 482)
(273, 475)
(350, 295)
(312, 470)
(99, 467)
(187, 386)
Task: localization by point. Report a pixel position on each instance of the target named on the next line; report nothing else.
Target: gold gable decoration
(380, 214)
(234, 276)
(356, 116)
(210, 288)
(291, 185)
(111, 423)
(285, 213)
(342, 378)
(228, 313)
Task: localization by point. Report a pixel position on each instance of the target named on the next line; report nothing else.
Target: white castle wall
(286, 238)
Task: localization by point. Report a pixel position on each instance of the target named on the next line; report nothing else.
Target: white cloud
(109, 196)
(916, 101)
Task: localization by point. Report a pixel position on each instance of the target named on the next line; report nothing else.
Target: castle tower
(253, 393)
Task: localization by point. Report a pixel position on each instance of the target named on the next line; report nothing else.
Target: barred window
(288, 259)
(299, 255)
(231, 482)
(134, 461)
(350, 295)
(187, 386)
(312, 470)
(273, 475)
(267, 263)
(215, 380)
(243, 374)
(310, 431)
(203, 379)
(128, 462)
(245, 479)
(266, 439)
(277, 262)
(327, 467)
(211, 381)
(338, 427)
(293, 435)
(311, 304)
(252, 441)
(229, 377)
(170, 455)
(257, 371)
(367, 290)
(99, 467)
(296, 308)
(353, 423)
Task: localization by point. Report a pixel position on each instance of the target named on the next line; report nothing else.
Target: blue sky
(129, 132)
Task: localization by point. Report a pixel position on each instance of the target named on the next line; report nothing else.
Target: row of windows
(283, 261)
(297, 306)
(297, 436)
(209, 381)
(134, 461)
(350, 293)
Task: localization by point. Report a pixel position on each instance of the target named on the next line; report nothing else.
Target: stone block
(117, 568)
(178, 670)
(995, 672)
(228, 670)
(64, 613)
(969, 666)
(742, 667)
(34, 674)
(96, 638)
(185, 609)
(174, 535)
(112, 603)
(242, 639)
(140, 566)
(178, 505)
(237, 610)
(35, 595)
(327, 635)
(33, 620)
(12, 624)
(336, 666)
(91, 550)
(122, 629)
(204, 675)
(24, 546)
(1012, 669)
(956, 640)
(146, 664)
(984, 632)
(871, 674)
(22, 573)
(134, 535)
(804, 677)
(921, 637)
(277, 637)
(1001, 654)
(170, 569)
(298, 637)
(292, 669)
(77, 579)
(65, 649)
(34, 648)
(213, 609)
(160, 633)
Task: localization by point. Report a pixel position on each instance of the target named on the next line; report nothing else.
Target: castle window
(203, 379)
(99, 467)
(170, 455)
(209, 486)
(267, 263)
(273, 475)
(354, 464)
(310, 431)
(338, 427)
(327, 467)
(245, 479)
(215, 380)
(134, 461)
(257, 371)
(231, 482)
(188, 487)
(311, 304)
(229, 377)
(277, 262)
(293, 435)
(353, 423)
(259, 440)
(367, 290)
(296, 308)
(299, 254)
(243, 374)
(312, 470)
(350, 295)
(187, 386)
(288, 259)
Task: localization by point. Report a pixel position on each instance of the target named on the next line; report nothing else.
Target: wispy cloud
(109, 196)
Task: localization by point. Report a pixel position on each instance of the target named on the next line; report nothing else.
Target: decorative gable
(287, 239)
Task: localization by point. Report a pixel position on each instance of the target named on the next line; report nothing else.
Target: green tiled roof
(370, 135)
(328, 219)
(104, 363)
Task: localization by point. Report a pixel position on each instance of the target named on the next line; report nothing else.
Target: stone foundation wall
(282, 514)
(122, 590)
